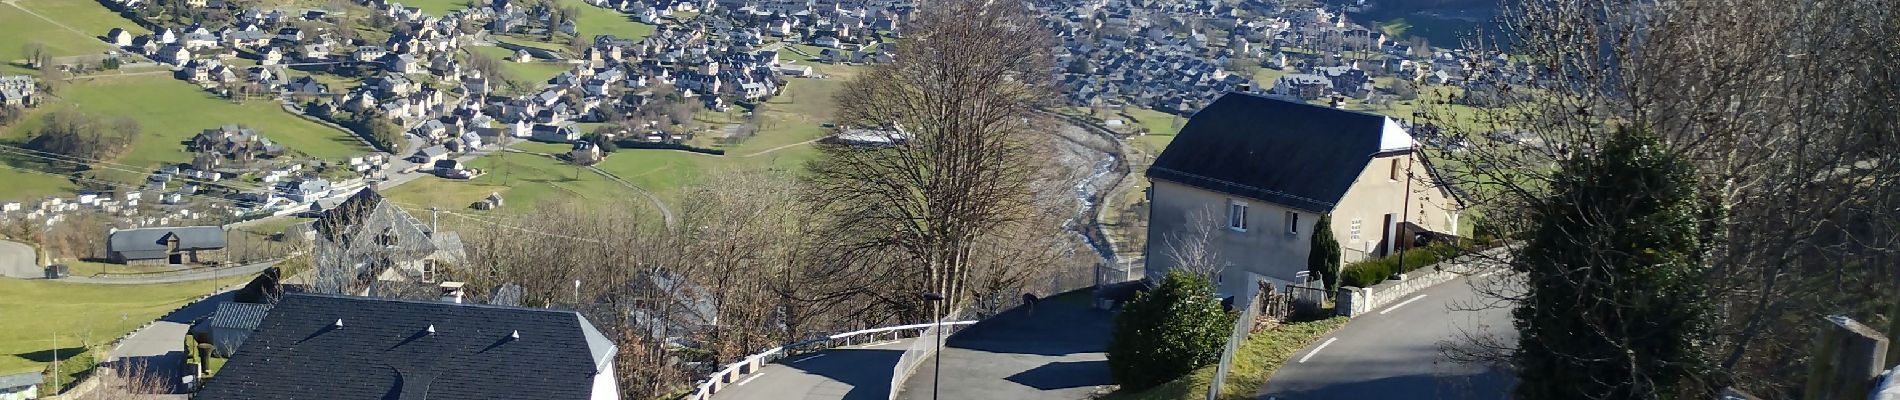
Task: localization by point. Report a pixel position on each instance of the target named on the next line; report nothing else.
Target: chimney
(452, 292)
(1335, 102)
(1246, 88)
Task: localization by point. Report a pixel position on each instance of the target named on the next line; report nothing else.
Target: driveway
(856, 373)
(18, 260)
(1395, 353)
(159, 348)
(1058, 352)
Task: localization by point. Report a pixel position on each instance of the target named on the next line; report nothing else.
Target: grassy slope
(1258, 358)
(86, 16)
(17, 28)
(533, 72)
(601, 21)
(437, 7)
(522, 179)
(171, 112)
(799, 112)
(38, 311)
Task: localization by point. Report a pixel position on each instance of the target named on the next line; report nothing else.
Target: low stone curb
(1359, 301)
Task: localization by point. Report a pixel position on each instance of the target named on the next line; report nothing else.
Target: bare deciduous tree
(963, 105)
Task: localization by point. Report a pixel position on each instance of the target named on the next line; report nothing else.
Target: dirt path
(766, 151)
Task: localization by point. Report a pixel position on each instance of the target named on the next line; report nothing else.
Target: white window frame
(1356, 223)
(1292, 223)
(1237, 221)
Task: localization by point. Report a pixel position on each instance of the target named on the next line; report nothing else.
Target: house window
(1355, 229)
(1292, 223)
(1394, 174)
(428, 271)
(1237, 216)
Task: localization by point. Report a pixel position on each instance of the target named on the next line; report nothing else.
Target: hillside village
(668, 199)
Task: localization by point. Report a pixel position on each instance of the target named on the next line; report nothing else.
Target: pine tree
(1615, 306)
(1323, 261)
(1168, 332)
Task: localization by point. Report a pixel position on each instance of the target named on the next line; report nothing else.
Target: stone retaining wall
(1358, 301)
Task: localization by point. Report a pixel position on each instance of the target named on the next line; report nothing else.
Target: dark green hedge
(1370, 272)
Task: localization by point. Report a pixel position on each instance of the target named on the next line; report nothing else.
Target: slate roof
(149, 243)
(1289, 153)
(383, 351)
(234, 315)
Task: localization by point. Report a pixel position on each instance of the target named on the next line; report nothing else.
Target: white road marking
(1322, 346)
(1402, 304)
(749, 380)
(807, 358)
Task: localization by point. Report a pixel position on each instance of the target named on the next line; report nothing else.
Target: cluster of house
(1122, 51)
(126, 207)
(19, 91)
(1128, 52)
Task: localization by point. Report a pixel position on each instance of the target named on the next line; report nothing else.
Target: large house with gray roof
(348, 348)
(1251, 175)
(166, 245)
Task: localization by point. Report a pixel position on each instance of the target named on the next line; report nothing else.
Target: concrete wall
(1357, 301)
(1376, 194)
(1264, 249)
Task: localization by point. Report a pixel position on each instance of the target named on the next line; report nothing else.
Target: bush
(1168, 332)
(1371, 272)
(71, 369)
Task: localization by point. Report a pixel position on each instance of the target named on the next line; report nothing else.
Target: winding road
(1397, 352)
(19, 260)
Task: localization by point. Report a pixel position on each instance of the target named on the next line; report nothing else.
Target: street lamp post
(936, 372)
(1405, 203)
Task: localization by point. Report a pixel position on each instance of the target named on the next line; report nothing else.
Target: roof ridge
(1263, 190)
(431, 302)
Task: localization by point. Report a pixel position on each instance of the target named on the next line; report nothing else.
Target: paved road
(1055, 353)
(209, 273)
(159, 349)
(856, 373)
(18, 260)
(1397, 355)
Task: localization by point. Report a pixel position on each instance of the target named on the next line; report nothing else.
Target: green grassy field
(535, 73)
(523, 180)
(171, 111)
(86, 16)
(438, 7)
(78, 315)
(24, 185)
(17, 28)
(668, 174)
(601, 21)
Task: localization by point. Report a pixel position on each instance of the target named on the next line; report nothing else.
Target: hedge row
(635, 144)
(1373, 271)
